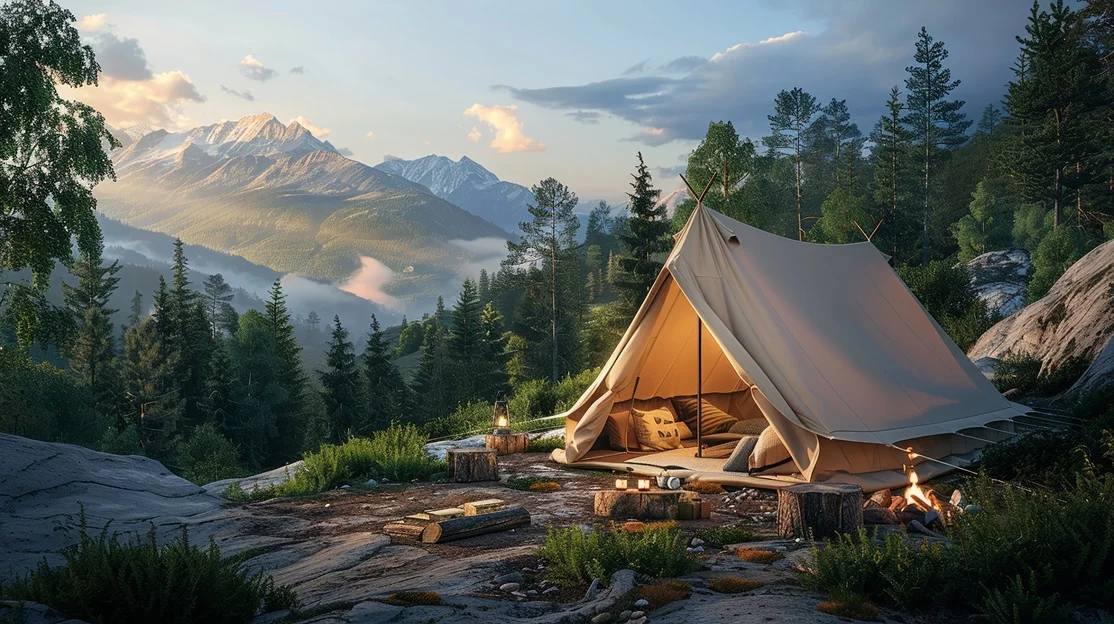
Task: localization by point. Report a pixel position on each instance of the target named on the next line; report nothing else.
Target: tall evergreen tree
(483, 286)
(261, 395)
(136, 312)
(547, 238)
(890, 155)
(313, 321)
(988, 123)
(493, 377)
(838, 139)
(648, 237)
(218, 294)
(189, 334)
(92, 347)
(432, 381)
(793, 114)
(464, 342)
(151, 400)
(289, 418)
(340, 384)
(387, 394)
(218, 401)
(934, 122)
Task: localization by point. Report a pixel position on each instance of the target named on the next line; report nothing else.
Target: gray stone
(641, 603)
(509, 587)
(603, 618)
(696, 541)
(637, 614)
(621, 582)
(641, 620)
(371, 482)
(593, 589)
(550, 590)
(625, 615)
(513, 577)
(879, 515)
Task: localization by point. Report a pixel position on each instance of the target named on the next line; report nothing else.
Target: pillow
(621, 434)
(739, 461)
(749, 426)
(720, 451)
(686, 433)
(770, 455)
(656, 430)
(714, 419)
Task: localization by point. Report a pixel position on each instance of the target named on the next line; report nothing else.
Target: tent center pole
(699, 387)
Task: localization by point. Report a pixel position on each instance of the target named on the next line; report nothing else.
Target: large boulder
(1073, 320)
(999, 279)
(1098, 378)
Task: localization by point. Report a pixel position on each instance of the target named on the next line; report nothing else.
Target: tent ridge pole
(699, 387)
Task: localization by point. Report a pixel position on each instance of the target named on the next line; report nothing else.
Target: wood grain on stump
(507, 443)
(468, 465)
(650, 505)
(469, 526)
(819, 510)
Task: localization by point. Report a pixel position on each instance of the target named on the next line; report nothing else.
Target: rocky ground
(331, 550)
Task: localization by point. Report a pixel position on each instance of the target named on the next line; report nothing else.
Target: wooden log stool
(819, 510)
(472, 464)
(644, 505)
(507, 443)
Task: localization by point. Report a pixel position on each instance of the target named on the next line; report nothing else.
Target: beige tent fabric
(831, 342)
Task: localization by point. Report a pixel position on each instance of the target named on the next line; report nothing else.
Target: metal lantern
(501, 418)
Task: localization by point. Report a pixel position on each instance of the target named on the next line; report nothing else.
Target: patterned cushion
(750, 426)
(714, 419)
(770, 455)
(656, 430)
(740, 457)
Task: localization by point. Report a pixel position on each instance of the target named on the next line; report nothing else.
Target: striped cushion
(714, 419)
(750, 426)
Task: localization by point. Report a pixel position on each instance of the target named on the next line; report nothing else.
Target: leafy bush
(208, 456)
(1063, 542)
(546, 444)
(108, 580)
(396, 453)
(733, 585)
(723, 535)
(575, 556)
(1055, 458)
(466, 420)
(120, 442)
(1024, 374)
(1058, 250)
(1019, 604)
(945, 291)
(532, 399)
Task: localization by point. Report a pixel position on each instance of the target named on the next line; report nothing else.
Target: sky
(529, 89)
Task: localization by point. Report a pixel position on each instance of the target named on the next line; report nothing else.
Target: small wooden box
(484, 506)
(695, 509)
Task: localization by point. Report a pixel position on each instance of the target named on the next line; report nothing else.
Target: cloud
(344, 151)
(251, 68)
(509, 135)
(585, 117)
(121, 58)
(474, 135)
(368, 282)
(156, 102)
(851, 55)
(316, 131)
(370, 135)
(637, 68)
(93, 22)
(670, 172)
(244, 95)
(298, 70)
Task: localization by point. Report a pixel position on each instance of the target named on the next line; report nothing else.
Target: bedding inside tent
(820, 350)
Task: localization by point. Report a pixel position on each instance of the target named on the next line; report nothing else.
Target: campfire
(918, 507)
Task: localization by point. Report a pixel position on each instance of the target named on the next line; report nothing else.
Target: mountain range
(467, 184)
(282, 198)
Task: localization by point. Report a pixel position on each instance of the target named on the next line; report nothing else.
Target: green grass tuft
(575, 556)
(720, 536)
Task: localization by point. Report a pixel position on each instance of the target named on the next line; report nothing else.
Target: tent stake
(699, 387)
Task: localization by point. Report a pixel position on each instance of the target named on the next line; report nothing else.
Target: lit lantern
(643, 485)
(620, 484)
(501, 418)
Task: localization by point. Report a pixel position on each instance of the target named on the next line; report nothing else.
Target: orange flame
(915, 494)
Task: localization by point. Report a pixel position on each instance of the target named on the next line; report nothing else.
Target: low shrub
(1024, 373)
(106, 579)
(575, 556)
(758, 555)
(396, 453)
(1020, 603)
(852, 609)
(704, 487)
(733, 585)
(208, 456)
(466, 420)
(1061, 543)
(719, 536)
(413, 598)
(664, 592)
(546, 444)
(1055, 458)
(945, 291)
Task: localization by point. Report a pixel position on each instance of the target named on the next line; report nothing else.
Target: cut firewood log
(819, 510)
(472, 464)
(507, 443)
(484, 506)
(649, 505)
(470, 526)
(405, 529)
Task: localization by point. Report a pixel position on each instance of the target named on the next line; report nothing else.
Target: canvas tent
(823, 342)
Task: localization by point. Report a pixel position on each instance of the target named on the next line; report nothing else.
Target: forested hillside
(215, 393)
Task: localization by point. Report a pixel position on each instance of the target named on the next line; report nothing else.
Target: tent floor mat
(682, 459)
(734, 479)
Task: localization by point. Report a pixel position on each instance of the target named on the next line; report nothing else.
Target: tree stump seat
(819, 510)
(643, 505)
(472, 464)
(507, 443)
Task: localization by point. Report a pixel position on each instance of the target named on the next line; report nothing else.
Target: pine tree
(136, 309)
(731, 159)
(164, 319)
(891, 168)
(985, 228)
(189, 334)
(151, 401)
(387, 393)
(218, 401)
(793, 113)
(432, 380)
(313, 321)
(92, 347)
(260, 397)
(836, 137)
(289, 418)
(989, 121)
(649, 237)
(218, 293)
(340, 384)
(547, 239)
(934, 122)
(483, 286)
(464, 340)
(493, 377)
